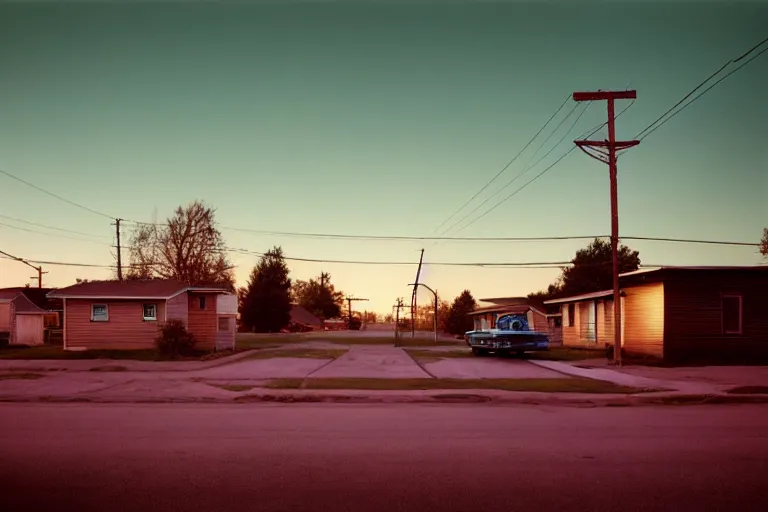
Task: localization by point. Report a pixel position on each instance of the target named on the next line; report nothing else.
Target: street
(381, 457)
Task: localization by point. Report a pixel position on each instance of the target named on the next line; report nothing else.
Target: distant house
(21, 321)
(484, 317)
(126, 314)
(677, 314)
(300, 315)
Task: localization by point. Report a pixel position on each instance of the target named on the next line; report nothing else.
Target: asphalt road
(291, 457)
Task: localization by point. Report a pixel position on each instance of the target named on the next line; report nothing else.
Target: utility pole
(413, 297)
(398, 306)
(119, 256)
(613, 147)
(39, 276)
(349, 306)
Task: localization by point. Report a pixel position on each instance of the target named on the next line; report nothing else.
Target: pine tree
(459, 321)
(265, 303)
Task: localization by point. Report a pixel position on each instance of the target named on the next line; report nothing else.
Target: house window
(150, 311)
(732, 314)
(571, 315)
(99, 313)
(558, 321)
(223, 324)
(202, 301)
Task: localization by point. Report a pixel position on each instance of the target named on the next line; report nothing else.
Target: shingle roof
(149, 289)
(300, 315)
(21, 304)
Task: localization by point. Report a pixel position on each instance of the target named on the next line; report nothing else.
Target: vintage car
(512, 334)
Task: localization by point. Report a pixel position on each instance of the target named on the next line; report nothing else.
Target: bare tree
(187, 247)
(764, 243)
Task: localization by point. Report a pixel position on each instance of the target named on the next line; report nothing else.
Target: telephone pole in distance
(119, 256)
(613, 147)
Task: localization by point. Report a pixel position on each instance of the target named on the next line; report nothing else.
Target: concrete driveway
(372, 361)
(489, 368)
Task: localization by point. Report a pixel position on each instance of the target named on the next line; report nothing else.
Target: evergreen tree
(265, 303)
(458, 321)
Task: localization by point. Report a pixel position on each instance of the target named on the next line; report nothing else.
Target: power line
(52, 227)
(525, 171)
(656, 125)
(52, 234)
(54, 195)
(506, 166)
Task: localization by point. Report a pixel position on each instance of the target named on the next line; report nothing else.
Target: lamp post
(436, 304)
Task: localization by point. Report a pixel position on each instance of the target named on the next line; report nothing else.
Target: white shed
(21, 320)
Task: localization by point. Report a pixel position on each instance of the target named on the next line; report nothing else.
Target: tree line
(189, 247)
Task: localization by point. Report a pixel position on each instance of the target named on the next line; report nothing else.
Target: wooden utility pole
(39, 276)
(613, 147)
(413, 296)
(435, 315)
(349, 306)
(119, 255)
(398, 306)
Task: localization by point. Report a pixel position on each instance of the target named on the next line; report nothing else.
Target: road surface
(306, 457)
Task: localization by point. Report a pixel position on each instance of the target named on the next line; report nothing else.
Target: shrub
(173, 339)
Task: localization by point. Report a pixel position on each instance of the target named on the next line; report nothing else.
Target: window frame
(106, 312)
(201, 302)
(144, 312)
(740, 298)
(218, 326)
(571, 314)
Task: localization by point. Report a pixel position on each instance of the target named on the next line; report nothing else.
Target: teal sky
(377, 119)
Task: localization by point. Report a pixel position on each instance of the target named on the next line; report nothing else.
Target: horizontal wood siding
(644, 320)
(694, 329)
(5, 317)
(571, 336)
(178, 308)
(125, 329)
(605, 322)
(202, 323)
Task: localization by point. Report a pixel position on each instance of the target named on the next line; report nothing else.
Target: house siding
(178, 308)
(644, 320)
(125, 329)
(5, 317)
(571, 337)
(203, 323)
(693, 317)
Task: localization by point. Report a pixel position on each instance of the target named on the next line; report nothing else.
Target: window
(202, 301)
(223, 324)
(571, 315)
(150, 311)
(558, 321)
(99, 313)
(732, 314)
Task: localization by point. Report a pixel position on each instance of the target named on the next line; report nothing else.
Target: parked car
(512, 334)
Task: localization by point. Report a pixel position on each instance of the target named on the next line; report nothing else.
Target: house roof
(21, 304)
(299, 314)
(507, 301)
(755, 268)
(584, 296)
(149, 289)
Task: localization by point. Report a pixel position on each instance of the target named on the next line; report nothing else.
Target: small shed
(21, 322)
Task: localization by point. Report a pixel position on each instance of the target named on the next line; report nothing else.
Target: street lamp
(435, 294)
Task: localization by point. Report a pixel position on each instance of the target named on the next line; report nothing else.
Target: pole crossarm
(604, 95)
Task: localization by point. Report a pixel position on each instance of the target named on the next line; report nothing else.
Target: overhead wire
(53, 234)
(52, 227)
(658, 123)
(73, 203)
(505, 167)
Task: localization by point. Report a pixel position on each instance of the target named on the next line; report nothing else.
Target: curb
(433, 398)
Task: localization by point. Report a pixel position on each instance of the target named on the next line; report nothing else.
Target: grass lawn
(233, 387)
(20, 376)
(314, 353)
(57, 352)
(569, 385)
(430, 356)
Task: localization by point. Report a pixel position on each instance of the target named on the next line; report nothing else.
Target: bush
(173, 339)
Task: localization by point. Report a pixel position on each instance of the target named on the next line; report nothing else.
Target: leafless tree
(764, 243)
(187, 247)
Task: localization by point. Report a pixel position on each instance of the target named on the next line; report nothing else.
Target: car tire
(478, 352)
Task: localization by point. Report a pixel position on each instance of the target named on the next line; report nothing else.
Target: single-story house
(677, 314)
(300, 315)
(21, 321)
(126, 314)
(484, 317)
